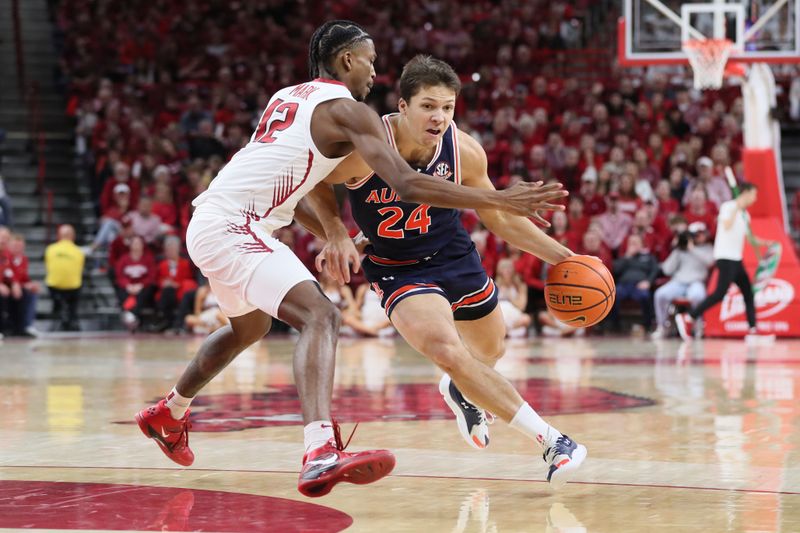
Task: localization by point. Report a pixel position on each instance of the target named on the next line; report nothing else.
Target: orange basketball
(579, 291)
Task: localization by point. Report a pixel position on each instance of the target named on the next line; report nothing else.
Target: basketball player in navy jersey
(304, 132)
(423, 264)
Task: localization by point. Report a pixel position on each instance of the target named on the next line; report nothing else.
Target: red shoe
(327, 465)
(171, 435)
(685, 324)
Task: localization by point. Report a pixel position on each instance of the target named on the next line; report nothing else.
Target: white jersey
(265, 180)
(729, 243)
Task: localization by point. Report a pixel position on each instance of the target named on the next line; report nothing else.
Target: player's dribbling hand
(336, 257)
(527, 199)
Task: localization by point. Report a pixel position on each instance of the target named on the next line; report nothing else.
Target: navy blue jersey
(402, 232)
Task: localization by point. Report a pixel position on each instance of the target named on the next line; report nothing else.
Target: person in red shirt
(136, 279)
(30, 289)
(122, 174)
(120, 246)
(592, 244)
(530, 269)
(164, 207)
(593, 203)
(10, 289)
(175, 278)
(666, 203)
(700, 209)
(578, 220)
(629, 202)
(560, 231)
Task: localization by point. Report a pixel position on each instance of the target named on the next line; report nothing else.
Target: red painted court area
(80, 506)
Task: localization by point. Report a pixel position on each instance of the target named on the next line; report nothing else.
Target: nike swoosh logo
(323, 460)
(164, 433)
(576, 319)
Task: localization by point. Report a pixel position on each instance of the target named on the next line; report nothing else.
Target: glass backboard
(652, 31)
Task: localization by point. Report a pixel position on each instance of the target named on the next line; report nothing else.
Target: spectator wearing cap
(634, 275)
(593, 203)
(30, 289)
(715, 186)
(122, 175)
(614, 225)
(687, 266)
(64, 262)
(110, 222)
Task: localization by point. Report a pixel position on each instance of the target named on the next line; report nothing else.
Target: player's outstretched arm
(516, 230)
(340, 253)
(362, 127)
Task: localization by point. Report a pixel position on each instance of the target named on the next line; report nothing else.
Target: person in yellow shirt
(63, 262)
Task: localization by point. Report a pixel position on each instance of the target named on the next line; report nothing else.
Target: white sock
(527, 422)
(177, 404)
(317, 433)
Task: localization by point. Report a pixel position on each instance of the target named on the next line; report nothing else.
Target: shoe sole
(682, 330)
(565, 473)
(460, 420)
(357, 470)
(148, 431)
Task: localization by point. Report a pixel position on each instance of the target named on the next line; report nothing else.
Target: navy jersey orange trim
(404, 231)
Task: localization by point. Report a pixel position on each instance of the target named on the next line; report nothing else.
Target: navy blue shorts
(456, 273)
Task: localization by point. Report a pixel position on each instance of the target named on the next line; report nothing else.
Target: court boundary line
(422, 476)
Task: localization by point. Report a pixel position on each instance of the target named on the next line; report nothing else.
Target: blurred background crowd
(164, 93)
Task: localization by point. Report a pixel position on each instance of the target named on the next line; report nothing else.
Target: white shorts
(246, 267)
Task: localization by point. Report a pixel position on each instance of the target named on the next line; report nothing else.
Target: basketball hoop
(708, 59)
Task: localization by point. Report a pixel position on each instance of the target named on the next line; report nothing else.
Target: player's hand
(16, 291)
(527, 199)
(336, 257)
(361, 242)
(4, 290)
(643, 285)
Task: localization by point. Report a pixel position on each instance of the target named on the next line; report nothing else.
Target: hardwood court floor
(681, 438)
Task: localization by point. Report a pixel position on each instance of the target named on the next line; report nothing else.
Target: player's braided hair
(329, 39)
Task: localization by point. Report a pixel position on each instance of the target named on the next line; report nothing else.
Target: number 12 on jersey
(277, 117)
(417, 220)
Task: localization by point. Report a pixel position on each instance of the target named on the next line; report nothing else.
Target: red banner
(777, 299)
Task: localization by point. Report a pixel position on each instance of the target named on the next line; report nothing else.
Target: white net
(708, 59)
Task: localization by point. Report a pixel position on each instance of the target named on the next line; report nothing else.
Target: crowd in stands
(164, 93)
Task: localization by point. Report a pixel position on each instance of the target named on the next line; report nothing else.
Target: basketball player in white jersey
(303, 134)
(445, 308)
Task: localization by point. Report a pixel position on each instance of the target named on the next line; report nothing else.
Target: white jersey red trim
(265, 180)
